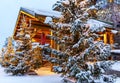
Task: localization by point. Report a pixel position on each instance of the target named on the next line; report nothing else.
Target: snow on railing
(116, 51)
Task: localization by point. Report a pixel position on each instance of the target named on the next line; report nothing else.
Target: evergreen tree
(27, 55)
(79, 56)
(7, 51)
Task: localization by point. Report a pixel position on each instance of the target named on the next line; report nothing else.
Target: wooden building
(34, 20)
(110, 14)
(105, 30)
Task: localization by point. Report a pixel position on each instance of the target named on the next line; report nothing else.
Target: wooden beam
(27, 14)
(39, 23)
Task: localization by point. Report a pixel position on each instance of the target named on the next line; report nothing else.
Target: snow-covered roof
(114, 31)
(34, 12)
(97, 23)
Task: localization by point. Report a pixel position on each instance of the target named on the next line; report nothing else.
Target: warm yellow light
(33, 40)
(110, 1)
(105, 38)
(111, 39)
(91, 63)
(43, 71)
(51, 33)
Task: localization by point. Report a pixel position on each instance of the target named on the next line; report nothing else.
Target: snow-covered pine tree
(36, 61)
(79, 56)
(27, 56)
(7, 52)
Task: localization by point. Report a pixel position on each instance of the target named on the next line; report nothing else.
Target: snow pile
(2, 73)
(48, 19)
(116, 66)
(117, 80)
(66, 2)
(114, 31)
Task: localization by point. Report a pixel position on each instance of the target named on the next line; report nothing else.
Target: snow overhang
(37, 12)
(97, 23)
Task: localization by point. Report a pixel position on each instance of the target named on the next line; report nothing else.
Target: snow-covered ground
(30, 79)
(116, 66)
(117, 80)
(42, 78)
(53, 78)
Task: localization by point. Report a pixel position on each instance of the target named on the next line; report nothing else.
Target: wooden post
(105, 37)
(111, 38)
